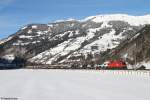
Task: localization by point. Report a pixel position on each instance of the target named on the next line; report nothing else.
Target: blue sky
(17, 13)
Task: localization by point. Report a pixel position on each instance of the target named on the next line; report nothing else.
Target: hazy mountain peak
(132, 20)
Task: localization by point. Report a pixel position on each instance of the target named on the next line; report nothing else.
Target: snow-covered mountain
(132, 20)
(72, 41)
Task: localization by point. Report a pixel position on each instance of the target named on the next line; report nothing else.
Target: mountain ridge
(72, 41)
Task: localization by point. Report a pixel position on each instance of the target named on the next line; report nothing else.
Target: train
(113, 64)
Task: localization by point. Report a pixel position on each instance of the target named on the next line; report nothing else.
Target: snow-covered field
(72, 85)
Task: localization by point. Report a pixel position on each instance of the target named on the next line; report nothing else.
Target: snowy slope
(63, 41)
(5, 40)
(136, 49)
(132, 20)
(72, 85)
(106, 38)
(103, 42)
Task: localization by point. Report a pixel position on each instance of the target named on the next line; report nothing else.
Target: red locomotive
(117, 64)
(114, 64)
